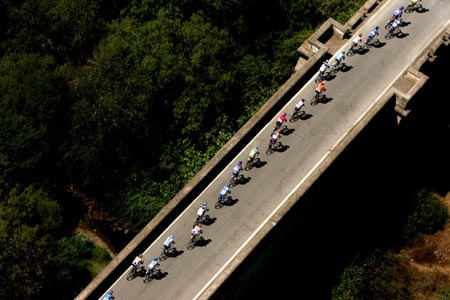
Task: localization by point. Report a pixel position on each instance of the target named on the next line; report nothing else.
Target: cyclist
(152, 265)
(109, 296)
(398, 13)
(323, 68)
(356, 41)
(168, 243)
(274, 138)
(413, 2)
(201, 211)
(237, 168)
(137, 262)
(340, 58)
(300, 104)
(197, 231)
(319, 89)
(372, 34)
(395, 24)
(281, 120)
(253, 153)
(223, 193)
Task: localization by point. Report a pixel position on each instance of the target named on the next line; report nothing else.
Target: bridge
(390, 72)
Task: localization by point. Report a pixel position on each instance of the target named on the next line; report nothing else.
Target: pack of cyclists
(197, 231)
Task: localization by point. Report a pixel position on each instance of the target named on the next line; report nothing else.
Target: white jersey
(201, 211)
(323, 67)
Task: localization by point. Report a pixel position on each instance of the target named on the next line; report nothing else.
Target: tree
(32, 110)
(29, 222)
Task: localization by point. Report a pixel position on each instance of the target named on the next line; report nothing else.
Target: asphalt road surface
(311, 142)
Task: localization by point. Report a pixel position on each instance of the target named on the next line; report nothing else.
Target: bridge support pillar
(405, 88)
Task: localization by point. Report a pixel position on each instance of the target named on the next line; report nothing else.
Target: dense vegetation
(117, 105)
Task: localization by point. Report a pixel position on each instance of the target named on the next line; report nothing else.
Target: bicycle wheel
(318, 79)
(131, 275)
(314, 101)
(219, 204)
(270, 150)
(389, 35)
(410, 9)
(293, 117)
(148, 277)
(191, 244)
(164, 255)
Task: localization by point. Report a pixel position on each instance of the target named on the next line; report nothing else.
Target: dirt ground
(428, 263)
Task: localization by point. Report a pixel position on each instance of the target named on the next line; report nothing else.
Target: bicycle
(193, 241)
(392, 33)
(223, 198)
(251, 163)
(151, 274)
(273, 146)
(318, 97)
(323, 76)
(166, 253)
(134, 272)
(372, 43)
(355, 49)
(413, 7)
(296, 115)
(336, 67)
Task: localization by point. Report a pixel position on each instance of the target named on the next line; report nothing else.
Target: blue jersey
(168, 241)
(373, 33)
(224, 191)
(340, 56)
(236, 169)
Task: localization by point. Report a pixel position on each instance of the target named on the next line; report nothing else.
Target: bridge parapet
(413, 80)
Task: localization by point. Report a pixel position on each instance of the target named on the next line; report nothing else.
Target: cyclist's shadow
(230, 201)
(175, 252)
(243, 180)
(159, 275)
(287, 131)
(260, 164)
(325, 100)
(282, 148)
(305, 116)
(208, 221)
(202, 242)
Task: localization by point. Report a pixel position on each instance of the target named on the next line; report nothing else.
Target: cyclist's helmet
(155, 258)
(285, 113)
(360, 34)
(204, 203)
(326, 61)
(240, 162)
(140, 255)
(377, 28)
(343, 52)
(323, 82)
(401, 8)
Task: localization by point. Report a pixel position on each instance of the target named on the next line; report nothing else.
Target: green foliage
(74, 262)
(65, 29)
(29, 221)
(378, 276)
(31, 108)
(445, 294)
(428, 215)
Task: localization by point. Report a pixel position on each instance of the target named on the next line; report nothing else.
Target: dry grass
(428, 263)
